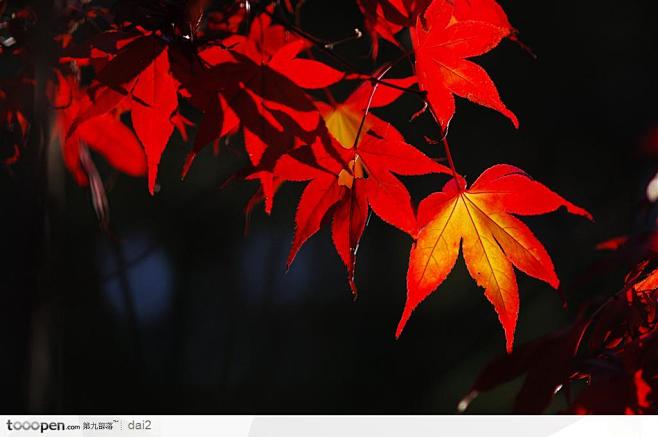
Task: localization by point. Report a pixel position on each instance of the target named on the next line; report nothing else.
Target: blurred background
(181, 312)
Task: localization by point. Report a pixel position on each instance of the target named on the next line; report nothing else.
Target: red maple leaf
(346, 183)
(141, 73)
(258, 82)
(443, 45)
(154, 100)
(104, 134)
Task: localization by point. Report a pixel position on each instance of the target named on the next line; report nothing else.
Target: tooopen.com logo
(38, 426)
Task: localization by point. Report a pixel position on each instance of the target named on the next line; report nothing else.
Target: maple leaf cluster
(130, 76)
(244, 69)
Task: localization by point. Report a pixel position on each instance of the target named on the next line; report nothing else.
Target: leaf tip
(513, 118)
(152, 179)
(269, 204)
(189, 160)
(403, 322)
(291, 256)
(509, 341)
(554, 282)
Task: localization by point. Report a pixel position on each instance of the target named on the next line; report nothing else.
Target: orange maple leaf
(493, 240)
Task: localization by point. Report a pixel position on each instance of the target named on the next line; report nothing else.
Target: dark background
(188, 315)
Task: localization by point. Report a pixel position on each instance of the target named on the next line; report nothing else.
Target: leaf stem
(446, 146)
(451, 162)
(375, 85)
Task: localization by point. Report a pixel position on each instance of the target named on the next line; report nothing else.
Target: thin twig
(323, 46)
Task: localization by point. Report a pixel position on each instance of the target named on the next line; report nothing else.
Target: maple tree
(127, 77)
